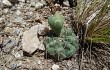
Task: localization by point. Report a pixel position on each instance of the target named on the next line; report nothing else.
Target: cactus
(56, 22)
(63, 46)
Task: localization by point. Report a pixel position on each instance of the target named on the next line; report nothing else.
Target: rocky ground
(20, 27)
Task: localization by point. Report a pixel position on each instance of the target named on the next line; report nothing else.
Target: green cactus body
(56, 22)
(63, 46)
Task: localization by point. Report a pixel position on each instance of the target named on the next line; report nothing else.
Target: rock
(5, 41)
(39, 62)
(66, 3)
(30, 40)
(5, 11)
(38, 5)
(13, 66)
(16, 32)
(7, 3)
(55, 67)
(18, 12)
(19, 21)
(2, 19)
(7, 48)
(18, 54)
(20, 44)
(33, 4)
(42, 29)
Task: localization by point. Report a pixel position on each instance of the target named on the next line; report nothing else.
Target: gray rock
(5, 11)
(7, 48)
(5, 41)
(19, 21)
(33, 4)
(18, 12)
(30, 40)
(18, 54)
(38, 5)
(20, 44)
(16, 32)
(2, 68)
(7, 3)
(13, 66)
(2, 19)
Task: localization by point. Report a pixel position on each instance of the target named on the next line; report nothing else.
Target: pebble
(9, 46)
(19, 21)
(13, 66)
(2, 19)
(16, 32)
(39, 62)
(18, 54)
(38, 5)
(5, 11)
(5, 41)
(33, 4)
(55, 67)
(18, 12)
(7, 3)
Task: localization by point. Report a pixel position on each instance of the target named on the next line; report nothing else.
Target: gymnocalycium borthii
(65, 43)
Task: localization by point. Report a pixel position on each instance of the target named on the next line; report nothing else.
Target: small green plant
(65, 44)
(56, 22)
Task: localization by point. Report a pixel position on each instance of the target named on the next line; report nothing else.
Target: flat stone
(30, 40)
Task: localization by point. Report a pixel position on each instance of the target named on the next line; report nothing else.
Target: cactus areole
(64, 45)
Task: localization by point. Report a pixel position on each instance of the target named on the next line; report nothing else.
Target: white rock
(6, 2)
(39, 62)
(30, 40)
(18, 12)
(38, 5)
(55, 67)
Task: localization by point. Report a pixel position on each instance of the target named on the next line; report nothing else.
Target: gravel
(18, 18)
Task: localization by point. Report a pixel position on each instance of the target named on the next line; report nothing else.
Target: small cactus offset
(56, 22)
(64, 45)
